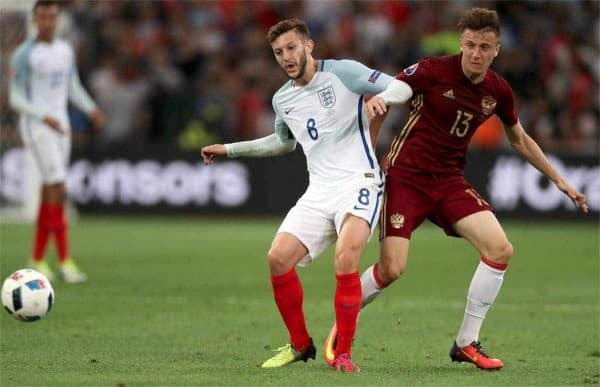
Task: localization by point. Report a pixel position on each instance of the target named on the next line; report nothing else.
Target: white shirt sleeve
(396, 92)
(20, 78)
(77, 93)
(271, 145)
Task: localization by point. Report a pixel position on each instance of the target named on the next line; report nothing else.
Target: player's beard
(301, 67)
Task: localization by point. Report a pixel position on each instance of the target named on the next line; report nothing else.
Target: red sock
(60, 232)
(287, 290)
(348, 296)
(494, 265)
(378, 280)
(42, 232)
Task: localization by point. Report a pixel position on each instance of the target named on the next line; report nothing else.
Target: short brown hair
(478, 19)
(288, 25)
(45, 3)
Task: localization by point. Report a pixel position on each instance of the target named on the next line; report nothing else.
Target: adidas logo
(449, 94)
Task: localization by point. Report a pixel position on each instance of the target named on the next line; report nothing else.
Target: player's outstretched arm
(271, 145)
(531, 151)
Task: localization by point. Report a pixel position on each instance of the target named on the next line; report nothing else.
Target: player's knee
(502, 252)
(55, 193)
(62, 195)
(278, 262)
(347, 257)
(391, 270)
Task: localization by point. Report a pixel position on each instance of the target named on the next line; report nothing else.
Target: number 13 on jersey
(461, 124)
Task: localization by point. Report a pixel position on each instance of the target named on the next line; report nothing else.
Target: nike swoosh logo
(473, 358)
(288, 111)
(360, 208)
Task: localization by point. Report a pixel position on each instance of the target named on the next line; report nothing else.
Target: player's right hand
(577, 197)
(53, 123)
(376, 107)
(209, 152)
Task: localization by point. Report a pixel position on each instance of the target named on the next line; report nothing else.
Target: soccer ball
(27, 295)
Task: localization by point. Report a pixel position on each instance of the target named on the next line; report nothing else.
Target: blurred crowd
(189, 73)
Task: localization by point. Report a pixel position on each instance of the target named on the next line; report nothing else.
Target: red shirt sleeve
(418, 76)
(507, 111)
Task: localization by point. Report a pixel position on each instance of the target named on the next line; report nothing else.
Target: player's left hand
(97, 118)
(376, 107)
(577, 197)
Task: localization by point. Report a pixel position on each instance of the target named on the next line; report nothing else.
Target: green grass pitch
(174, 301)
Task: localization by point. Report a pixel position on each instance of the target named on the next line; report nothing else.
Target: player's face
(46, 20)
(291, 52)
(479, 48)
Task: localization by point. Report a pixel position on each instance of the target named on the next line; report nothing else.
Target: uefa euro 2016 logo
(327, 97)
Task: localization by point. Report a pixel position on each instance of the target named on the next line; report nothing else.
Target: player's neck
(474, 78)
(45, 38)
(311, 70)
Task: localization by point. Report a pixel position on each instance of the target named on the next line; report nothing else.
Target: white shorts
(51, 150)
(317, 217)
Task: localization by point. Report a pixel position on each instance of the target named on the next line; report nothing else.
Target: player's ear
(310, 45)
(497, 50)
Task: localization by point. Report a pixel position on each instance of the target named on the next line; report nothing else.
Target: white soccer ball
(27, 295)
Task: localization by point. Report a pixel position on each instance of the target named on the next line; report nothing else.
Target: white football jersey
(327, 117)
(46, 74)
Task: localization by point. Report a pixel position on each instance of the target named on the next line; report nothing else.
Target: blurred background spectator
(188, 73)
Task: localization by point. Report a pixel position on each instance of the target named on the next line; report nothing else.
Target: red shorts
(410, 198)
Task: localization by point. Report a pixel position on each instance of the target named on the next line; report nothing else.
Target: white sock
(485, 285)
(370, 289)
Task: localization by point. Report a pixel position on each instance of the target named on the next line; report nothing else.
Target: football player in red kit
(452, 96)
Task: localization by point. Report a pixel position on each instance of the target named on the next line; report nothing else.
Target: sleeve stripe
(374, 76)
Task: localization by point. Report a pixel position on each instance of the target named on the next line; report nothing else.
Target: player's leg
(393, 258)
(484, 232)
(404, 210)
(303, 234)
(463, 212)
(57, 192)
(354, 235)
(286, 251)
(46, 150)
(399, 217)
(392, 262)
(43, 229)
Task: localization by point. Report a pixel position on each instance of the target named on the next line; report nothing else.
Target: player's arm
(375, 123)
(267, 146)
(396, 92)
(278, 143)
(530, 150)
(361, 79)
(19, 69)
(80, 98)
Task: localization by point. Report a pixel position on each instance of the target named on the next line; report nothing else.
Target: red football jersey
(446, 109)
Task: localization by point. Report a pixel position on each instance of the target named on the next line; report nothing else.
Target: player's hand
(376, 107)
(577, 197)
(209, 152)
(97, 118)
(53, 123)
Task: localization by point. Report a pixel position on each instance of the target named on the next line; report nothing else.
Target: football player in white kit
(321, 107)
(43, 78)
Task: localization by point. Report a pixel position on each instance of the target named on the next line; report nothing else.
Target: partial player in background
(452, 96)
(321, 107)
(44, 78)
